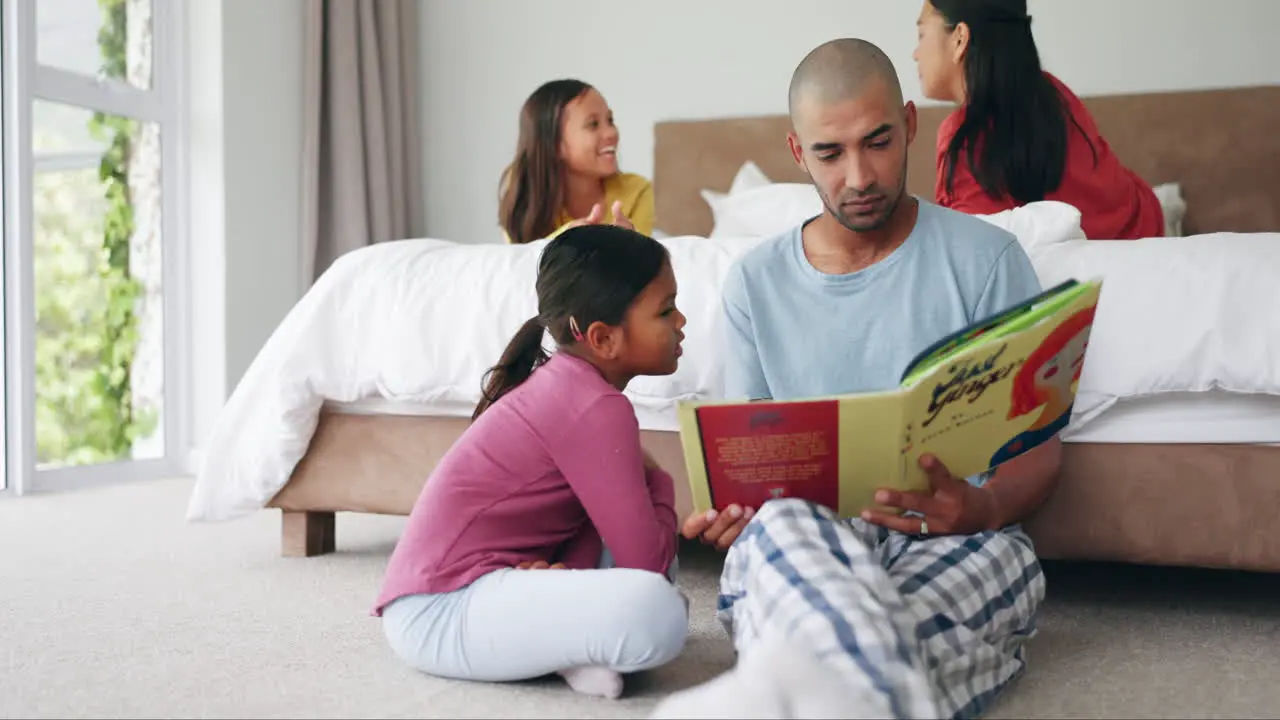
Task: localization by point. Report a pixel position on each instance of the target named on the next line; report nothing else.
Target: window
(95, 368)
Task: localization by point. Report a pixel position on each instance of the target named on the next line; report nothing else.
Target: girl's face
(1061, 369)
(588, 138)
(939, 56)
(652, 329)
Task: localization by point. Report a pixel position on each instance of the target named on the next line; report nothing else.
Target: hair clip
(573, 328)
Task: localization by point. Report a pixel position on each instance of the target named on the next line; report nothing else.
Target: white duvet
(422, 320)
(418, 321)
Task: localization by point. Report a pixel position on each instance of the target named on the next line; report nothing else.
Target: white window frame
(25, 82)
(7, 482)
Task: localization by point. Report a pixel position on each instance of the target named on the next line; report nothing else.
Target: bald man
(919, 615)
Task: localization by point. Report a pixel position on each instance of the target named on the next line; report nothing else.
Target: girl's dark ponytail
(523, 354)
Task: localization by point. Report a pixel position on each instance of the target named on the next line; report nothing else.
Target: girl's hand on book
(539, 565)
(952, 506)
(718, 529)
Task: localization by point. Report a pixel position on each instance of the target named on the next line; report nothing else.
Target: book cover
(772, 450)
(975, 399)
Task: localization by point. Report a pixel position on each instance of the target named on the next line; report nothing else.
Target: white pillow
(1174, 207)
(1035, 223)
(749, 177)
(1152, 336)
(1039, 224)
(764, 211)
(773, 209)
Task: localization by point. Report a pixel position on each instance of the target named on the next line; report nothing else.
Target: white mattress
(382, 406)
(648, 419)
(1215, 416)
(422, 319)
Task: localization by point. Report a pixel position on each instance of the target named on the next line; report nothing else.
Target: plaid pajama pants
(918, 627)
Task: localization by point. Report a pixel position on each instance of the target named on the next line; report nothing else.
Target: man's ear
(912, 121)
(797, 150)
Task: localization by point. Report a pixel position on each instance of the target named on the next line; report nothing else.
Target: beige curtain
(362, 157)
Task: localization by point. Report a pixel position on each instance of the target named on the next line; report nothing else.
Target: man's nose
(859, 174)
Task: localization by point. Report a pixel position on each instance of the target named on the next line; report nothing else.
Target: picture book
(974, 399)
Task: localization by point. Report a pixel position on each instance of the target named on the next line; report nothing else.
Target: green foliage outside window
(86, 297)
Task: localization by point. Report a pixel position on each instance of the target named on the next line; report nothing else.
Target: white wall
(654, 61)
(667, 59)
(244, 105)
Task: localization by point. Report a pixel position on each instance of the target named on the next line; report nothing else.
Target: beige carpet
(112, 606)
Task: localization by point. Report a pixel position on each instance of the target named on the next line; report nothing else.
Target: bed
(1165, 468)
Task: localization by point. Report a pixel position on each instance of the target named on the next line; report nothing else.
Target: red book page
(773, 450)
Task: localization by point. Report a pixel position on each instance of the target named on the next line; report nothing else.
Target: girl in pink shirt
(543, 540)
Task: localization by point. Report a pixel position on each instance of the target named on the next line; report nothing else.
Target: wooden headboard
(1222, 146)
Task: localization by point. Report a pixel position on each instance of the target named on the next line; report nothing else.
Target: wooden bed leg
(306, 534)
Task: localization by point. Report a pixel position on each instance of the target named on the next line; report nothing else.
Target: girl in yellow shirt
(566, 168)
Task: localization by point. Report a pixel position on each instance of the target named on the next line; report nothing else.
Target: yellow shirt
(635, 192)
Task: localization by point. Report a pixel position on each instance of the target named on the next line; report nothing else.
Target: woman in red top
(1021, 135)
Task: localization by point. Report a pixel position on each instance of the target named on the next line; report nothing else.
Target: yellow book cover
(975, 399)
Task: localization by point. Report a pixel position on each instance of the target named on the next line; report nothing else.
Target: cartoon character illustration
(1045, 380)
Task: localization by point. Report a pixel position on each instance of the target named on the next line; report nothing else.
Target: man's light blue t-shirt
(795, 332)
